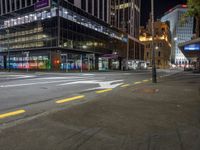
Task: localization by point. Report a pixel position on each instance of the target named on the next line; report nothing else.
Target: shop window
(158, 62)
(159, 53)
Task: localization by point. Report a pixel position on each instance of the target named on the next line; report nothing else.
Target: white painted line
(102, 84)
(88, 74)
(33, 83)
(17, 76)
(58, 78)
(79, 82)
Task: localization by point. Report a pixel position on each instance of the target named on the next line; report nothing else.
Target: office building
(125, 15)
(161, 43)
(60, 35)
(180, 32)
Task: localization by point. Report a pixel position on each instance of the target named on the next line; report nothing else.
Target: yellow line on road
(145, 80)
(70, 99)
(125, 85)
(9, 114)
(103, 91)
(137, 82)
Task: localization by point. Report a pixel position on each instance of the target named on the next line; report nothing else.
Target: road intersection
(23, 95)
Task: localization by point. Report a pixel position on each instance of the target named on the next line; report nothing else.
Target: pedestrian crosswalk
(56, 81)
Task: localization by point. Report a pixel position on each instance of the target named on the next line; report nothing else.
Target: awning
(191, 49)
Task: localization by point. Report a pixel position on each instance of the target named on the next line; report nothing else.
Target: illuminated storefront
(35, 61)
(191, 50)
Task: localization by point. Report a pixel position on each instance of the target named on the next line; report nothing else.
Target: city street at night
(131, 113)
(99, 75)
(35, 90)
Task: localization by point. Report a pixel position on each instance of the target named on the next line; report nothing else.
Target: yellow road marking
(9, 114)
(70, 99)
(145, 80)
(137, 82)
(125, 85)
(103, 91)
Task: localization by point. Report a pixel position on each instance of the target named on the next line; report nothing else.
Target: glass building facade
(180, 32)
(60, 37)
(125, 15)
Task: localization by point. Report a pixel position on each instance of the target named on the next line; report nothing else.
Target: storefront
(109, 61)
(77, 62)
(191, 50)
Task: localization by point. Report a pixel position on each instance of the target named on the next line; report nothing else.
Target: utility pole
(154, 75)
(127, 54)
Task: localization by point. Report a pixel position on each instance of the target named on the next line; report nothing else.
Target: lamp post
(154, 74)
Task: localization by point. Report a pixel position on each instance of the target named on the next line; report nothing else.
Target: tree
(194, 11)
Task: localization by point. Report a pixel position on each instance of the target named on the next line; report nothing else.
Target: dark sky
(161, 6)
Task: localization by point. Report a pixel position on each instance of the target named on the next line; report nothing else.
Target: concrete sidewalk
(165, 116)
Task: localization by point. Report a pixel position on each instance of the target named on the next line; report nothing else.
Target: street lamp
(156, 47)
(154, 74)
(175, 38)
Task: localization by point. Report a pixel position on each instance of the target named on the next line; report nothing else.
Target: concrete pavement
(138, 116)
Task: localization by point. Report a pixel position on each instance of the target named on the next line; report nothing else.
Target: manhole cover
(147, 90)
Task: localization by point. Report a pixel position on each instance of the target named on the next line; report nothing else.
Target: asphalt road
(37, 92)
(129, 114)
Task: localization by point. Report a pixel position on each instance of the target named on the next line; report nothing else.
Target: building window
(8, 6)
(18, 4)
(158, 62)
(83, 4)
(34, 1)
(4, 6)
(101, 9)
(105, 11)
(13, 5)
(71, 1)
(95, 8)
(90, 6)
(23, 3)
(28, 3)
(159, 54)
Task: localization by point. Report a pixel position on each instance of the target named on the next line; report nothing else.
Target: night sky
(161, 6)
